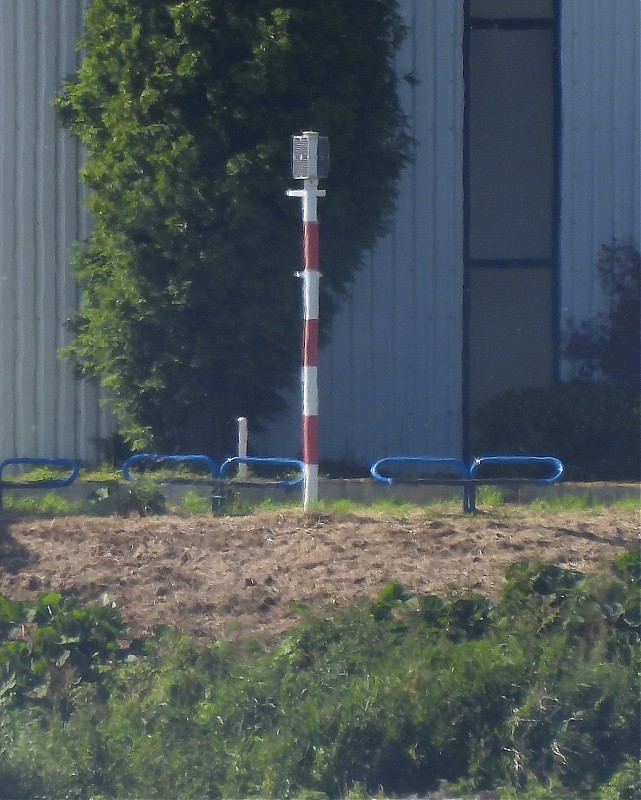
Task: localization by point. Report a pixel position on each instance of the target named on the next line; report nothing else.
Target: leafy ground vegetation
(321, 656)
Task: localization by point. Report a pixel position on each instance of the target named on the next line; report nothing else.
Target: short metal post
(243, 470)
(469, 499)
(217, 499)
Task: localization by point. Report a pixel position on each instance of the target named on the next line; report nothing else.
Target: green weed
(236, 507)
(39, 473)
(489, 496)
(392, 508)
(100, 473)
(383, 508)
(628, 505)
(194, 503)
(561, 502)
(49, 504)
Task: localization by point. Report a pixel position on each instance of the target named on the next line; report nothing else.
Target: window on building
(510, 198)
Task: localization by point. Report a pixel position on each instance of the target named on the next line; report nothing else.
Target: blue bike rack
(278, 462)
(162, 458)
(553, 463)
(467, 476)
(217, 496)
(454, 463)
(215, 474)
(45, 483)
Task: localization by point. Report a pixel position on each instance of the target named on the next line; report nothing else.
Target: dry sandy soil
(235, 576)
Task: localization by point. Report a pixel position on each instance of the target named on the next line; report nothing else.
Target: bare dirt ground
(237, 576)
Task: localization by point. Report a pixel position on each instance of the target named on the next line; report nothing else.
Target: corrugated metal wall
(600, 142)
(44, 411)
(390, 381)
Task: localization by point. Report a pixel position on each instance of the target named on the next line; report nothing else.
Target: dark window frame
(523, 23)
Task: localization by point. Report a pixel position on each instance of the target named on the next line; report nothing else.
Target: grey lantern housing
(310, 156)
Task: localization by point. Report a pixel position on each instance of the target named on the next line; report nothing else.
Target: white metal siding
(390, 379)
(600, 142)
(45, 411)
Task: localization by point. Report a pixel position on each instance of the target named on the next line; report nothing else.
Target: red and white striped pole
(305, 166)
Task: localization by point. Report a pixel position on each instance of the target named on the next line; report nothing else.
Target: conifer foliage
(191, 310)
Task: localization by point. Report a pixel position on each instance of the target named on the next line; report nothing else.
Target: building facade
(44, 410)
(526, 120)
(525, 115)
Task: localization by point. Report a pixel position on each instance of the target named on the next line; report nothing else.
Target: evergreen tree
(191, 311)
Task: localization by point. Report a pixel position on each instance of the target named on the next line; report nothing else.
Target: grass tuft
(48, 505)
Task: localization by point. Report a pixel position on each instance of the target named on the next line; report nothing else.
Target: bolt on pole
(310, 162)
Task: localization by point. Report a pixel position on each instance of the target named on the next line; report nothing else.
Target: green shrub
(625, 784)
(592, 427)
(140, 496)
(53, 643)
(185, 163)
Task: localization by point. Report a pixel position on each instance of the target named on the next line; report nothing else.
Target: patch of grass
(162, 474)
(194, 503)
(489, 496)
(287, 502)
(570, 502)
(49, 504)
(101, 472)
(583, 502)
(340, 506)
(393, 507)
(380, 508)
(158, 471)
(628, 505)
(36, 474)
(343, 506)
(235, 507)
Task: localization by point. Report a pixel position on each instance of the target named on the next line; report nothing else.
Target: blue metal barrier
(554, 463)
(555, 475)
(217, 496)
(216, 474)
(279, 462)
(44, 483)
(454, 463)
(162, 458)
(467, 475)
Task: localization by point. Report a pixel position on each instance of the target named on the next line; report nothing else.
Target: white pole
(242, 446)
(309, 195)
(311, 277)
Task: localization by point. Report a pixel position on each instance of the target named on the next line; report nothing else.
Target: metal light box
(310, 156)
